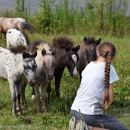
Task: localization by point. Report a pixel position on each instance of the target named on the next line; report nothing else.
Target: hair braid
(106, 82)
(107, 69)
(108, 51)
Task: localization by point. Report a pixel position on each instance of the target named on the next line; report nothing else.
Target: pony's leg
(18, 96)
(0, 35)
(44, 90)
(37, 96)
(58, 76)
(13, 95)
(23, 86)
(0, 32)
(33, 93)
(48, 92)
(97, 128)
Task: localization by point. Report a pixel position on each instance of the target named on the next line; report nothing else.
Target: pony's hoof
(14, 114)
(20, 113)
(33, 97)
(44, 109)
(27, 121)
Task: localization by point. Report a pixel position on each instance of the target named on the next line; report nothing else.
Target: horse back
(32, 47)
(7, 23)
(81, 50)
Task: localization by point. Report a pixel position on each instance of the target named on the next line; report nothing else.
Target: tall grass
(102, 16)
(106, 19)
(58, 111)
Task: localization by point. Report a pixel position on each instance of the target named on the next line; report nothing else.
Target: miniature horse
(15, 37)
(45, 70)
(87, 53)
(14, 65)
(66, 56)
(16, 23)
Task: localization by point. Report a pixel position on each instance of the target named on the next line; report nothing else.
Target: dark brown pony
(87, 52)
(66, 56)
(16, 23)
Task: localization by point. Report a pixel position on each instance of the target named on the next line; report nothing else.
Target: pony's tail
(26, 25)
(26, 37)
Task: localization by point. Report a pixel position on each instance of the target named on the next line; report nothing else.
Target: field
(58, 111)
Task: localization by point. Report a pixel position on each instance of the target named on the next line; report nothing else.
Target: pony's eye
(54, 63)
(35, 66)
(25, 67)
(44, 64)
(91, 49)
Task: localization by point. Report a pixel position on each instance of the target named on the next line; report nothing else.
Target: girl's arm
(111, 93)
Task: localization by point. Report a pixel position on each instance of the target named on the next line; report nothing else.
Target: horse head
(71, 60)
(49, 62)
(90, 51)
(30, 66)
(87, 52)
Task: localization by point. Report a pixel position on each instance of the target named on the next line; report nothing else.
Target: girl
(95, 93)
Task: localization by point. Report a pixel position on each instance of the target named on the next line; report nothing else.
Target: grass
(58, 111)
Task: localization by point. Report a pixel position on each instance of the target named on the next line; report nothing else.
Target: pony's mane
(62, 42)
(39, 46)
(44, 45)
(90, 40)
(18, 49)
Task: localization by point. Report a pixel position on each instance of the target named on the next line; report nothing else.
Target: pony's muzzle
(75, 75)
(32, 82)
(50, 77)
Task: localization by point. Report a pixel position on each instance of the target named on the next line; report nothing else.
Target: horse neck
(82, 49)
(39, 62)
(64, 60)
(19, 60)
(39, 59)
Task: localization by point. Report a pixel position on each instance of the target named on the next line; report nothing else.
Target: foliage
(105, 19)
(58, 110)
(102, 16)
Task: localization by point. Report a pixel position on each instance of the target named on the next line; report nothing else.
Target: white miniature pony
(15, 37)
(45, 70)
(14, 65)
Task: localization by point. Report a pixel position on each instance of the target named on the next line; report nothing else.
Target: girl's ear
(97, 53)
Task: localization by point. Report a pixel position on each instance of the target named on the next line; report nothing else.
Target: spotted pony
(15, 64)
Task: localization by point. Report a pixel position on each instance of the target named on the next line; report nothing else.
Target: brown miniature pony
(46, 62)
(87, 53)
(16, 23)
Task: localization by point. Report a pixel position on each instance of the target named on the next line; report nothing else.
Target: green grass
(58, 111)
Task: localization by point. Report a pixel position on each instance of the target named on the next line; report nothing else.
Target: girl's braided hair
(108, 51)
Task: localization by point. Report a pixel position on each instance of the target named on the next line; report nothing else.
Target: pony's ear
(98, 41)
(43, 51)
(53, 51)
(67, 49)
(85, 39)
(26, 55)
(76, 48)
(34, 54)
